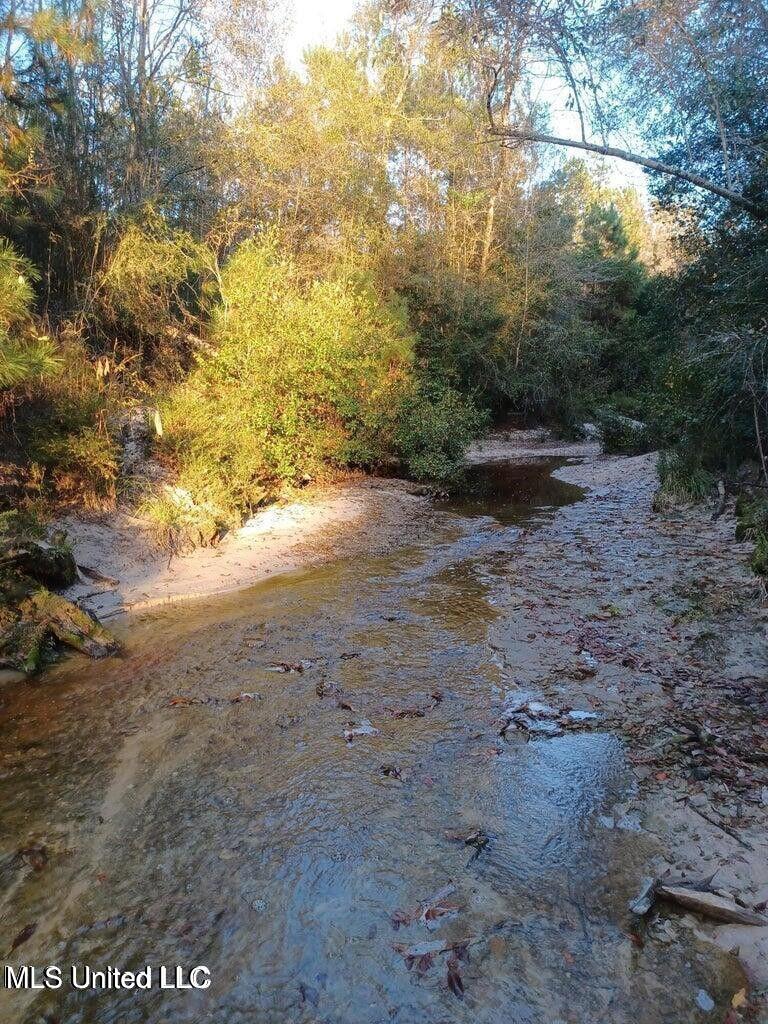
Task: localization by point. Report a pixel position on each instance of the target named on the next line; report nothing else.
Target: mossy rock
(31, 628)
(51, 565)
(26, 646)
(69, 624)
(33, 619)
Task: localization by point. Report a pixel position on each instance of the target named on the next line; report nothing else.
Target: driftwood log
(710, 905)
(699, 899)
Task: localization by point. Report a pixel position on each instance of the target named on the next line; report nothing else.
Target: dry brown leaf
(739, 998)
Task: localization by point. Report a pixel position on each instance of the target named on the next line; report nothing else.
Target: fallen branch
(710, 905)
(723, 828)
(702, 901)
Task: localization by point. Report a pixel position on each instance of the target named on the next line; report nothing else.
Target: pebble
(698, 800)
(705, 1001)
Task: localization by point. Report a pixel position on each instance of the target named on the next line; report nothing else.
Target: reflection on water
(183, 827)
(513, 493)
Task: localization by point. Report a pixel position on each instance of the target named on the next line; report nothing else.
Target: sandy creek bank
(363, 514)
(191, 803)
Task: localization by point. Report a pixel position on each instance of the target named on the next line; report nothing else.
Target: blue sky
(320, 21)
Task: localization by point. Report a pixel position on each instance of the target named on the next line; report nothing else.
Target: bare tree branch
(527, 135)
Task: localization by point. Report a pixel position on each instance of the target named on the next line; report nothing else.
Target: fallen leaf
(401, 917)
(412, 712)
(739, 998)
(454, 979)
(423, 963)
(434, 916)
(26, 933)
(420, 949)
(362, 728)
(36, 855)
(474, 837)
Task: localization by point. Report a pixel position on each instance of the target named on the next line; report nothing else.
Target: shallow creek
(183, 828)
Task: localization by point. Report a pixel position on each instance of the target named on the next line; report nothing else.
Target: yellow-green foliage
(23, 354)
(59, 403)
(153, 276)
(16, 294)
(64, 428)
(303, 375)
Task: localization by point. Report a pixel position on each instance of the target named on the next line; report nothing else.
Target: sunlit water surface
(252, 838)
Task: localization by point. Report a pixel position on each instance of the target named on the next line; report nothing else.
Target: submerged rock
(535, 716)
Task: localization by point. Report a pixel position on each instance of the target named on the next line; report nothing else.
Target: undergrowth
(752, 515)
(302, 378)
(683, 479)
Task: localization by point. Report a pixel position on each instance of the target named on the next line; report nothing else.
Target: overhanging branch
(526, 135)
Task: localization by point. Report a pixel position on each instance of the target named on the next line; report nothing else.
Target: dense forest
(365, 262)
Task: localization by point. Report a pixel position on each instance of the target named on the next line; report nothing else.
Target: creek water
(181, 827)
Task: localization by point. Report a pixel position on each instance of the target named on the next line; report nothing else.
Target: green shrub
(20, 523)
(17, 277)
(557, 380)
(54, 410)
(179, 522)
(83, 465)
(759, 559)
(62, 428)
(24, 355)
(156, 284)
(461, 339)
(752, 524)
(436, 425)
(303, 376)
(752, 516)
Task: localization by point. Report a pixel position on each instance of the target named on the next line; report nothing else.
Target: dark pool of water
(511, 493)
